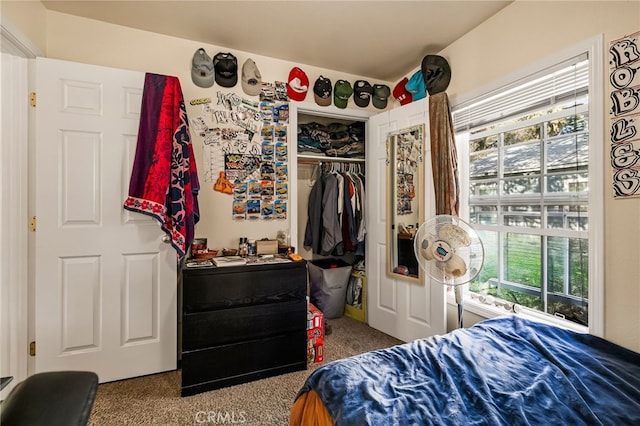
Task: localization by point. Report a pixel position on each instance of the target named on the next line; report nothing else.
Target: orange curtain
(444, 155)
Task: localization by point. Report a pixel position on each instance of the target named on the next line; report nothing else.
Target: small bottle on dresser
(243, 247)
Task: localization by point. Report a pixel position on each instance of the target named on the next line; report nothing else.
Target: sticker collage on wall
(407, 146)
(245, 150)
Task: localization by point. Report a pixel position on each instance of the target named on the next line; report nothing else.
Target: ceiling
(382, 40)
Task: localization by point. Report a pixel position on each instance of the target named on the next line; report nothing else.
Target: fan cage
(438, 234)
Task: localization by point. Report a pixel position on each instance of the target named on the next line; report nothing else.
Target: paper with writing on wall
(624, 78)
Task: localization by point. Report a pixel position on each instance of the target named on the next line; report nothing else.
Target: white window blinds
(569, 79)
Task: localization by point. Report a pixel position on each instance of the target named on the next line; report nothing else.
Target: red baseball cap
(401, 94)
(298, 84)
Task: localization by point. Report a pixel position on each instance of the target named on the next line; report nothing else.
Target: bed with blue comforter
(503, 371)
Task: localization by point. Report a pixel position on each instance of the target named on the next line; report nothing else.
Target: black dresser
(242, 323)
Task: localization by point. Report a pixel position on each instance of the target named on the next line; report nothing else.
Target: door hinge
(32, 99)
(33, 224)
(32, 348)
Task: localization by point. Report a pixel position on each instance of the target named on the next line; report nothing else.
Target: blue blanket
(504, 371)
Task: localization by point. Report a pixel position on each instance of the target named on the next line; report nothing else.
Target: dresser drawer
(222, 326)
(228, 287)
(227, 365)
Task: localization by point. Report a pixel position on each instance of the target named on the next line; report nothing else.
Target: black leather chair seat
(54, 398)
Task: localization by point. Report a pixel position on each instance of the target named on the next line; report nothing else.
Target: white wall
(30, 18)
(526, 32)
(83, 40)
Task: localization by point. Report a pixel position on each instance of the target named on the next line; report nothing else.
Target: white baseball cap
(251, 78)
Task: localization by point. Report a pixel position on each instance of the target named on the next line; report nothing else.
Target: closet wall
(307, 176)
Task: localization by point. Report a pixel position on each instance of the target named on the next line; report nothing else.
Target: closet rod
(329, 160)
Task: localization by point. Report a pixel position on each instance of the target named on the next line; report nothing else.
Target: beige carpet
(155, 399)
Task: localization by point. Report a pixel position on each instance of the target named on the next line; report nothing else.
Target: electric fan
(449, 250)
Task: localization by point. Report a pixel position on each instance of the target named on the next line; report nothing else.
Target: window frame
(593, 47)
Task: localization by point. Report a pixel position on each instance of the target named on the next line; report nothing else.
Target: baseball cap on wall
(226, 69)
(362, 92)
(298, 84)
(341, 93)
(322, 91)
(380, 94)
(401, 93)
(415, 86)
(436, 73)
(251, 78)
(202, 69)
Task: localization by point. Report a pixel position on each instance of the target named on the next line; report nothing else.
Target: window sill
(487, 311)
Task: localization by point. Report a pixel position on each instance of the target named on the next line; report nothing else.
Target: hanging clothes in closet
(336, 211)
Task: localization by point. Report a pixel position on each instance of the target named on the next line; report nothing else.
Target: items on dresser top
(223, 261)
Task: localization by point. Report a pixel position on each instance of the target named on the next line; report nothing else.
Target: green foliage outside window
(546, 273)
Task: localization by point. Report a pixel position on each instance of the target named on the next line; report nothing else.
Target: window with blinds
(528, 180)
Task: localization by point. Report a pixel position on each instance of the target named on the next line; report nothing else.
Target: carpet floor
(155, 399)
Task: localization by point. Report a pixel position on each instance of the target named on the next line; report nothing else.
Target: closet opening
(331, 218)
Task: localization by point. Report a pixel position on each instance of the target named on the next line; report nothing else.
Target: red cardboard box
(315, 335)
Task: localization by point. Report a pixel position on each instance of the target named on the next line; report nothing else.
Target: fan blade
(454, 235)
(426, 248)
(455, 266)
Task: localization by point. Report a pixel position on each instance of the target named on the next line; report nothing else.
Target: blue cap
(416, 86)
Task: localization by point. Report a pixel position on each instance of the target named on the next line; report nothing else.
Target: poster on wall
(624, 64)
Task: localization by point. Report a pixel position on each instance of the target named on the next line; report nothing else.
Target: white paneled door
(399, 308)
(105, 282)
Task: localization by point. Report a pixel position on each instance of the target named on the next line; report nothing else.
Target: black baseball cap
(226, 69)
(362, 92)
(322, 91)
